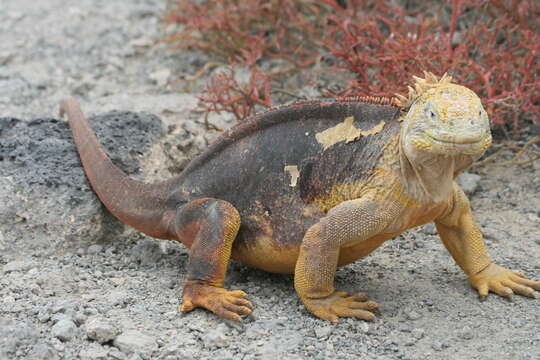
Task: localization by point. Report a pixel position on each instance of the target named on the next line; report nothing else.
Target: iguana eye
(432, 116)
(430, 113)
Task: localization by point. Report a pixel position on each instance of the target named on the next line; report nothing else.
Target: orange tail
(146, 207)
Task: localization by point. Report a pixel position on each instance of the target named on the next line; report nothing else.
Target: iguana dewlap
(311, 186)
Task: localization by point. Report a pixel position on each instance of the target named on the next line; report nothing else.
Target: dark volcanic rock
(42, 185)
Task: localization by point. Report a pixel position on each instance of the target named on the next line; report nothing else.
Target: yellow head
(444, 119)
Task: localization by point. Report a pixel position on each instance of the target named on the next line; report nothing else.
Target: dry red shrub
(490, 46)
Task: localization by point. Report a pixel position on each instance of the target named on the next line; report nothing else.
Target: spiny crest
(420, 87)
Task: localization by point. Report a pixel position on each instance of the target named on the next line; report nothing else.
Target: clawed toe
(339, 304)
(503, 282)
(224, 303)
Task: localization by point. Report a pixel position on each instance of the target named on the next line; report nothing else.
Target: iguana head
(444, 119)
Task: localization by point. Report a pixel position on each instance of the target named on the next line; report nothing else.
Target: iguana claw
(503, 282)
(224, 303)
(340, 304)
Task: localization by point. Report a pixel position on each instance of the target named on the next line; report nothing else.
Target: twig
(207, 67)
(514, 161)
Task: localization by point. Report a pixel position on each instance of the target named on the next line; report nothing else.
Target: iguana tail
(146, 207)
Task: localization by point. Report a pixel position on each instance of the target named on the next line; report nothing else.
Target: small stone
(437, 346)
(418, 333)
(405, 328)
(268, 351)
(217, 337)
(466, 333)
(13, 266)
(429, 229)
(496, 235)
(42, 351)
(323, 332)
(364, 326)
(131, 341)
(94, 249)
(79, 318)
(238, 326)
(64, 330)
(94, 352)
(468, 182)
(142, 42)
(63, 307)
(117, 281)
(413, 315)
(161, 77)
(117, 354)
(43, 315)
(6, 57)
(89, 311)
(100, 330)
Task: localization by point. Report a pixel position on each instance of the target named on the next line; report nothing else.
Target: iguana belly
(268, 253)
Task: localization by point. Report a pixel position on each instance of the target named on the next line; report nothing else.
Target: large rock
(46, 199)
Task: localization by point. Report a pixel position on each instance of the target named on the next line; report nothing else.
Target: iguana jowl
(315, 185)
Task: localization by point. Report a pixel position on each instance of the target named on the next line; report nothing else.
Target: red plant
(224, 93)
(492, 46)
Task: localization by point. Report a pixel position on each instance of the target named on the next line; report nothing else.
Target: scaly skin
(312, 186)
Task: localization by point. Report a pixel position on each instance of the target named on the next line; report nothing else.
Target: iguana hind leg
(209, 227)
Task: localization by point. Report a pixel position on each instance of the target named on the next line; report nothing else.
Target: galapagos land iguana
(311, 186)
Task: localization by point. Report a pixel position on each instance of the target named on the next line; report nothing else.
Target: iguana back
(273, 166)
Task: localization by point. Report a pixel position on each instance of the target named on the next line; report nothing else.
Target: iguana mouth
(465, 141)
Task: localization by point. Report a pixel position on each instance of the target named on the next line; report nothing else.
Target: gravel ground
(75, 283)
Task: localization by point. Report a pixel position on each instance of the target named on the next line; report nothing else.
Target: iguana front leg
(463, 239)
(348, 223)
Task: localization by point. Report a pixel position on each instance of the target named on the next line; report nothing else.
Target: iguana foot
(224, 303)
(503, 282)
(340, 304)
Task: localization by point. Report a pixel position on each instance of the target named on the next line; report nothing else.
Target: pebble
(132, 341)
(42, 351)
(101, 330)
(43, 315)
(216, 337)
(413, 315)
(418, 333)
(94, 249)
(439, 345)
(429, 229)
(22, 265)
(117, 281)
(79, 318)
(94, 352)
(469, 182)
(466, 333)
(161, 77)
(64, 330)
(323, 332)
(116, 354)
